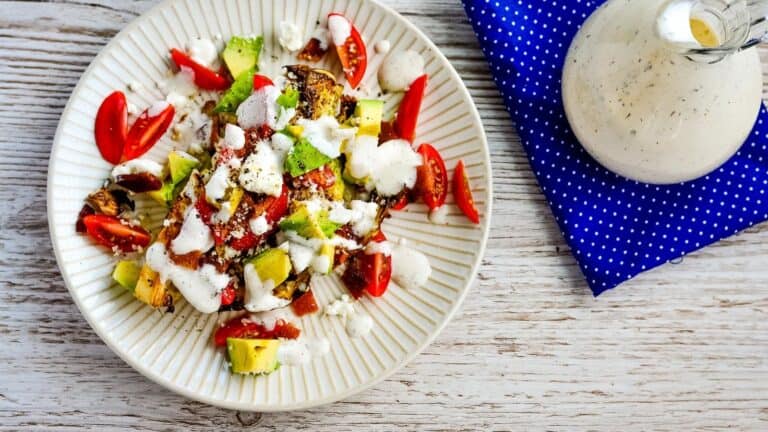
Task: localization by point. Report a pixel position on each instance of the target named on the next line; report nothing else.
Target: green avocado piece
(274, 265)
(240, 90)
(181, 165)
(289, 98)
(328, 250)
(310, 225)
(242, 54)
(369, 113)
(253, 356)
(127, 274)
(304, 158)
(336, 192)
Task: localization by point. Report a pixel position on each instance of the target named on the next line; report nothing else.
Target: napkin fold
(616, 228)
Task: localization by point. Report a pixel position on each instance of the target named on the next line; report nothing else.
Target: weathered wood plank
(682, 347)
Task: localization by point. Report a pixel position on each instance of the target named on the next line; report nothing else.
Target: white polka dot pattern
(617, 228)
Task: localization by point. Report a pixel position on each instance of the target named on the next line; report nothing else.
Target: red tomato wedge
(111, 127)
(432, 180)
(353, 54)
(305, 305)
(147, 131)
(205, 78)
(368, 272)
(260, 81)
(112, 232)
(408, 112)
(243, 328)
(463, 193)
(228, 295)
(400, 203)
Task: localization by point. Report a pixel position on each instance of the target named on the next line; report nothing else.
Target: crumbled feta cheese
(262, 171)
(290, 36)
(359, 326)
(234, 137)
(356, 324)
(301, 256)
(259, 225)
(341, 307)
(364, 217)
(225, 212)
(339, 213)
(410, 268)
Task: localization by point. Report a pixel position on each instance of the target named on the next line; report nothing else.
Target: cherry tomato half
(353, 54)
(111, 127)
(408, 112)
(111, 231)
(205, 78)
(368, 272)
(243, 328)
(147, 131)
(432, 180)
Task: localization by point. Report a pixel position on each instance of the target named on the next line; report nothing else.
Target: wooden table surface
(684, 347)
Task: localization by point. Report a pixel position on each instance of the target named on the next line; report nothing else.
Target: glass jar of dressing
(663, 91)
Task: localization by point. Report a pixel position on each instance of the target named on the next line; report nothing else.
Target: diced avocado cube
(127, 274)
(242, 54)
(274, 265)
(304, 158)
(336, 192)
(369, 113)
(304, 223)
(165, 194)
(294, 130)
(328, 227)
(181, 165)
(253, 356)
(240, 90)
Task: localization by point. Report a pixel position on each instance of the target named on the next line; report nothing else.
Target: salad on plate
(270, 183)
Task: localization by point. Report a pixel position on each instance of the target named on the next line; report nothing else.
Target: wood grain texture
(683, 347)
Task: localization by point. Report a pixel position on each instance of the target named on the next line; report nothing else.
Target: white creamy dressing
(217, 185)
(234, 137)
(356, 324)
(201, 287)
(203, 51)
(395, 167)
(225, 212)
(363, 217)
(389, 167)
(290, 36)
(382, 46)
(647, 112)
(259, 225)
(258, 293)
(195, 235)
(410, 268)
(180, 88)
(340, 29)
(262, 171)
(340, 214)
(299, 352)
(384, 248)
(192, 127)
(261, 108)
(157, 108)
(138, 166)
(324, 135)
(399, 70)
(439, 216)
(302, 251)
(344, 243)
(359, 325)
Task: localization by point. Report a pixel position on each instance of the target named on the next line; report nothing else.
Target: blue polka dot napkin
(617, 228)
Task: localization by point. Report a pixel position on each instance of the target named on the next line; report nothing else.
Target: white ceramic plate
(175, 350)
